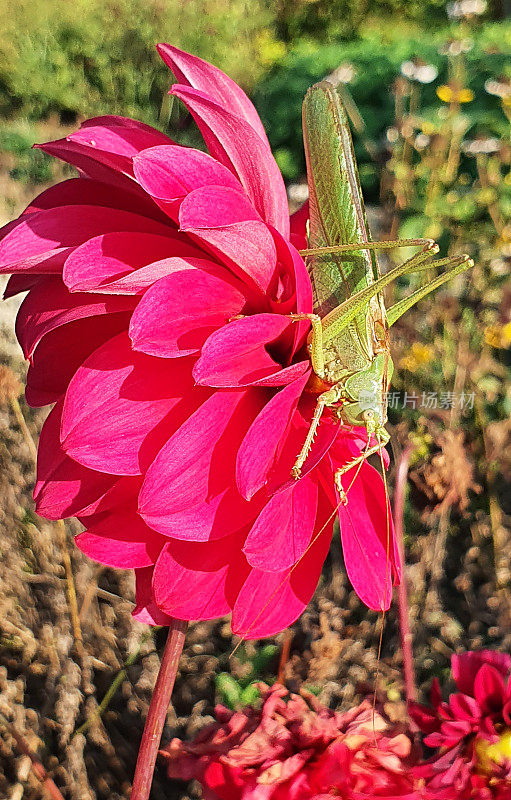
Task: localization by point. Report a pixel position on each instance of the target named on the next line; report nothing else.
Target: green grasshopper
(349, 340)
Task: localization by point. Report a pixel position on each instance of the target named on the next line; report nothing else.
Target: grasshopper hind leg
(382, 437)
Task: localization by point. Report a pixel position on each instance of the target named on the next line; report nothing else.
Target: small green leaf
(229, 690)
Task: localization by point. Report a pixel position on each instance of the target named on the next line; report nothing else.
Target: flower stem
(404, 617)
(158, 711)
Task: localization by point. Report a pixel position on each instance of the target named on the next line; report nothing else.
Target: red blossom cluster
(471, 732)
(294, 748)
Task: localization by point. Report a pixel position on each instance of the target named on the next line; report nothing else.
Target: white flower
(418, 70)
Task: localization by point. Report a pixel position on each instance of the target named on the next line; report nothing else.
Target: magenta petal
(465, 667)
(48, 377)
(114, 406)
(368, 540)
(121, 140)
(298, 226)
(169, 173)
(283, 529)
(262, 444)
(195, 468)
(464, 707)
(86, 191)
(179, 312)
(65, 226)
(295, 264)
(194, 71)
(123, 541)
(489, 688)
(237, 355)
(118, 121)
(106, 258)
(50, 304)
(63, 487)
(224, 222)
(271, 601)
(234, 143)
(196, 581)
(146, 610)
(21, 283)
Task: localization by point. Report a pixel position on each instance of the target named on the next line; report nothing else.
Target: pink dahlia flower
(294, 748)
(471, 731)
(159, 287)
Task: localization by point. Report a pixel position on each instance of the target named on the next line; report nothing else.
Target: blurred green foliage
(324, 20)
(252, 665)
(375, 60)
(88, 56)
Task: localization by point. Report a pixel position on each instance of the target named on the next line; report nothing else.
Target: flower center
(488, 753)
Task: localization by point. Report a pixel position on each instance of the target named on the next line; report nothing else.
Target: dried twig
(39, 771)
(71, 591)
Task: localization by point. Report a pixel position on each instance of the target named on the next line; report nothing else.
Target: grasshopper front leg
(316, 343)
(324, 400)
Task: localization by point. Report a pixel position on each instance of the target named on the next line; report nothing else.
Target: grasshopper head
(367, 389)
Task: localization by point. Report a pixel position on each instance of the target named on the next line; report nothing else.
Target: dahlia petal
(65, 226)
(268, 602)
(284, 376)
(261, 445)
(49, 263)
(425, 719)
(21, 283)
(63, 487)
(50, 305)
(300, 280)
(115, 406)
(48, 377)
(234, 143)
(368, 540)
(81, 191)
(465, 667)
(146, 610)
(237, 355)
(194, 71)
(124, 542)
(194, 471)
(93, 163)
(179, 312)
(119, 121)
(298, 226)
(198, 581)
(97, 263)
(120, 140)
(489, 688)
(283, 529)
(464, 707)
(225, 223)
(168, 173)
(117, 498)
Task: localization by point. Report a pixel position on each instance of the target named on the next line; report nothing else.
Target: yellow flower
(449, 95)
(490, 754)
(419, 355)
(498, 336)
